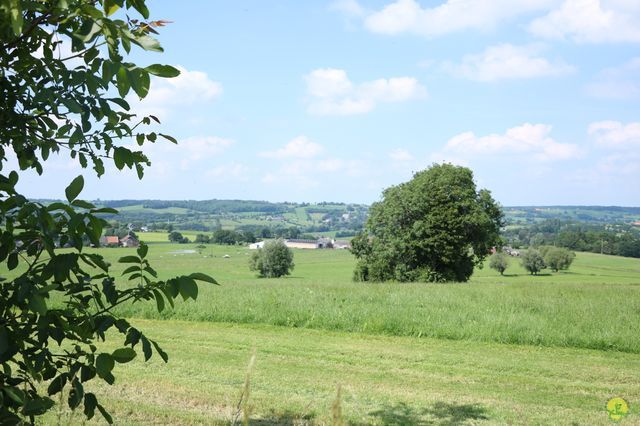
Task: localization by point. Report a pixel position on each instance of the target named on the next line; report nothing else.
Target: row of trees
(535, 260)
(614, 239)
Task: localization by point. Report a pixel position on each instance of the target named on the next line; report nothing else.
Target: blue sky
(313, 100)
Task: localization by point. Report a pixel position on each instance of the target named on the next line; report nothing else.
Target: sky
(312, 101)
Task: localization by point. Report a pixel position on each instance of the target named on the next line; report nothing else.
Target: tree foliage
(63, 84)
(434, 228)
(274, 260)
(557, 258)
(532, 261)
(499, 261)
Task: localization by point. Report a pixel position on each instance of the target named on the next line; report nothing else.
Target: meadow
(513, 349)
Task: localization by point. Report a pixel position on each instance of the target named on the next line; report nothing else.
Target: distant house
(129, 241)
(302, 244)
(256, 246)
(341, 244)
(325, 243)
(110, 241)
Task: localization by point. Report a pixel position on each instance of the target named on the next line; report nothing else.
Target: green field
(516, 349)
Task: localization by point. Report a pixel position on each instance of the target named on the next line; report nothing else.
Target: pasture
(513, 349)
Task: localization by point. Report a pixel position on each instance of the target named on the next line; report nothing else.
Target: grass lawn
(384, 380)
(513, 349)
(591, 306)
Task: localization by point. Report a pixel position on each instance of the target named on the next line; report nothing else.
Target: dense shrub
(274, 260)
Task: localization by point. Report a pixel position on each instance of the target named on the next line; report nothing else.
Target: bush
(558, 258)
(533, 261)
(499, 261)
(274, 260)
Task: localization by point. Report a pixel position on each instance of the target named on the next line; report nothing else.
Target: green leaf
(90, 403)
(14, 393)
(122, 82)
(104, 365)
(57, 384)
(146, 348)
(142, 250)
(159, 300)
(123, 355)
(141, 8)
(105, 414)
(187, 288)
(121, 157)
(107, 210)
(169, 138)
(72, 105)
(12, 261)
(165, 71)
(131, 269)
(148, 43)
(37, 406)
(140, 81)
(203, 277)
(110, 7)
(121, 103)
(129, 259)
(87, 373)
(162, 353)
(38, 304)
(74, 188)
(76, 394)
(83, 204)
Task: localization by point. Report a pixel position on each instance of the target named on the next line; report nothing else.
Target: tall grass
(595, 305)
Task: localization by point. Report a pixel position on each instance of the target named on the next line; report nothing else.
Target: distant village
(320, 243)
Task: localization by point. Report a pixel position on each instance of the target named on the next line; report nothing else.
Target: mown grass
(595, 305)
(384, 379)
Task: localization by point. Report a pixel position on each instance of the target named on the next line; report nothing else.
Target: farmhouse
(257, 245)
(109, 241)
(341, 244)
(303, 244)
(129, 241)
(320, 243)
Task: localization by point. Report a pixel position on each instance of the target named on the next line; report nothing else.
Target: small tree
(558, 258)
(175, 237)
(533, 261)
(499, 261)
(274, 260)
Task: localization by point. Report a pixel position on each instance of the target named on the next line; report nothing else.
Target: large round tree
(434, 228)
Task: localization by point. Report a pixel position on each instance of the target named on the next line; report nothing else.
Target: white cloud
(408, 16)
(332, 93)
(202, 147)
(400, 155)
(530, 140)
(621, 82)
(614, 134)
(591, 21)
(166, 156)
(300, 147)
(233, 171)
(350, 8)
(506, 61)
(190, 88)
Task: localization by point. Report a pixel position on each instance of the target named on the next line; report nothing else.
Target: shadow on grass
(441, 413)
(286, 418)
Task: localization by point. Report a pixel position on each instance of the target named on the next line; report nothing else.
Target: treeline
(206, 206)
(618, 239)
